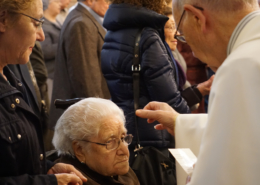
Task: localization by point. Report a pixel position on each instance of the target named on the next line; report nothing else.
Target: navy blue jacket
(22, 156)
(158, 74)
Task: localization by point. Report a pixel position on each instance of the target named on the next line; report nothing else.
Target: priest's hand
(161, 112)
(66, 172)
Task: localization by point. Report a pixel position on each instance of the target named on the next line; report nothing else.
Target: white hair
(219, 5)
(82, 121)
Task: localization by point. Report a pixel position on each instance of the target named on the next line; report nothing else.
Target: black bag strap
(136, 68)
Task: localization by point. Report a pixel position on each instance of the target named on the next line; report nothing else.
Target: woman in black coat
(159, 75)
(22, 155)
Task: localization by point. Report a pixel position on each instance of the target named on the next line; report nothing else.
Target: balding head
(219, 5)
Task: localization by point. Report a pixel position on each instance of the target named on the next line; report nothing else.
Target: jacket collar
(56, 24)
(120, 16)
(5, 88)
(246, 30)
(101, 30)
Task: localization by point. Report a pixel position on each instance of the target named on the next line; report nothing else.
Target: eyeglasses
(114, 143)
(40, 21)
(171, 29)
(181, 37)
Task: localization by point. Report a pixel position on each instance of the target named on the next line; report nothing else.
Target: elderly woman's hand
(68, 179)
(67, 173)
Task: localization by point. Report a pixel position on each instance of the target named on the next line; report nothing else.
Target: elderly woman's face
(169, 31)
(19, 37)
(109, 162)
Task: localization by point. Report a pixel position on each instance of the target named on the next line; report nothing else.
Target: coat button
(19, 136)
(13, 105)
(17, 100)
(41, 157)
(20, 84)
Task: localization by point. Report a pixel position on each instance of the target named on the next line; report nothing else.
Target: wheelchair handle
(65, 103)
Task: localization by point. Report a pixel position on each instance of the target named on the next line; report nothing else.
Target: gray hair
(82, 121)
(219, 5)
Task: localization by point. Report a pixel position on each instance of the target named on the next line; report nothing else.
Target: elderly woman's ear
(78, 151)
(3, 15)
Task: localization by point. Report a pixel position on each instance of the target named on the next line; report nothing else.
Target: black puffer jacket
(157, 81)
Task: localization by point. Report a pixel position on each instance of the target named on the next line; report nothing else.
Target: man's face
(201, 37)
(100, 7)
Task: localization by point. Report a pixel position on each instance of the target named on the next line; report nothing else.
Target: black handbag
(150, 165)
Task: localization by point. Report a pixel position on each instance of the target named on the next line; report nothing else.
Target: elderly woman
(22, 155)
(91, 136)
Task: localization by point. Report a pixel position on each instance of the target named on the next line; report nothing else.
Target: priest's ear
(3, 20)
(199, 17)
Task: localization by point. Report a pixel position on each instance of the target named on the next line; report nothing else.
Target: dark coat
(50, 45)
(78, 69)
(158, 73)
(22, 155)
(95, 178)
(41, 75)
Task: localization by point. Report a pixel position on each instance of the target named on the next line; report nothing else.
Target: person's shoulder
(150, 36)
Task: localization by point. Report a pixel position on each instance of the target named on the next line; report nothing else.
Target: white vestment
(230, 145)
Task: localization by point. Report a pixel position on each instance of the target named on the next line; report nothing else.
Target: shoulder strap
(136, 68)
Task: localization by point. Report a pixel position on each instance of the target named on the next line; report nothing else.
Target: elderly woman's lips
(123, 160)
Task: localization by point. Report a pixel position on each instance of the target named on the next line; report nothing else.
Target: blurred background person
(91, 135)
(51, 30)
(192, 94)
(78, 59)
(41, 75)
(64, 11)
(195, 69)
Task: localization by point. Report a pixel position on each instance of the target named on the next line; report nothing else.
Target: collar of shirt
(94, 14)
(239, 28)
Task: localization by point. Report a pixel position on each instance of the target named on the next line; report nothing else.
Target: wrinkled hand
(161, 112)
(66, 173)
(205, 87)
(68, 179)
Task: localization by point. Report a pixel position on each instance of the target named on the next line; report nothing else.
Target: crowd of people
(49, 52)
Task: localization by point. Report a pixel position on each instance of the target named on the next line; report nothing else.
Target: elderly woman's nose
(122, 149)
(40, 35)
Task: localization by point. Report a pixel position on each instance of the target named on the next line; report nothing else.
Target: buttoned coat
(22, 155)
(78, 69)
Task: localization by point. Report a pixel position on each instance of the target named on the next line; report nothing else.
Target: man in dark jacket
(78, 72)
